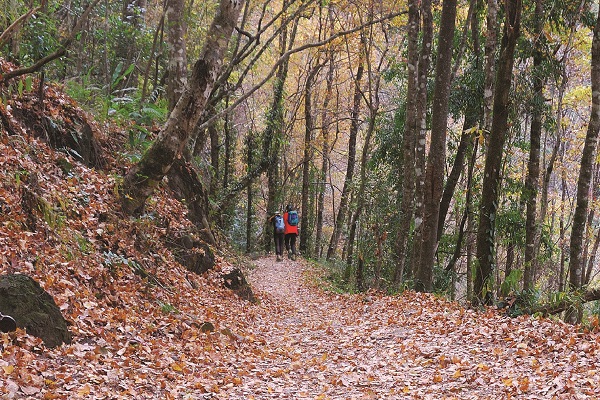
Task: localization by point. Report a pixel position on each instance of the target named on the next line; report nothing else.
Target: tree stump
(33, 308)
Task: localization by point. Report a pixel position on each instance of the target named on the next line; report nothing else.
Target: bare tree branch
(286, 55)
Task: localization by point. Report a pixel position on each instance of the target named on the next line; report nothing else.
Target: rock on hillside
(116, 280)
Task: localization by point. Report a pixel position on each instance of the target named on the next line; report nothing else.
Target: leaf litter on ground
(185, 336)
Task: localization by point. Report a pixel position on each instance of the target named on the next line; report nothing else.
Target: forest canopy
(446, 146)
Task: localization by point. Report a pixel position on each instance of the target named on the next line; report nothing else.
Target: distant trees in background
(444, 147)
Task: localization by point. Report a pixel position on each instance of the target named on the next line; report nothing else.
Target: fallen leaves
(136, 338)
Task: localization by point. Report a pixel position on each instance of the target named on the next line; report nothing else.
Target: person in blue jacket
(278, 234)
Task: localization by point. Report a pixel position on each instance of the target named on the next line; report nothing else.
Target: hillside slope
(131, 306)
(145, 327)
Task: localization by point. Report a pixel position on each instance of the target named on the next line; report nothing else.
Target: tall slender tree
(353, 133)
(421, 139)
(307, 157)
(434, 176)
(491, 39)
(535, 135)
(176, 28)
(326, 117)
(585, 177)
(408, 144)
(493, 161)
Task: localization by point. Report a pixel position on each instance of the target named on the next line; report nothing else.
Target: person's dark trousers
(290, 244)
(279, 239)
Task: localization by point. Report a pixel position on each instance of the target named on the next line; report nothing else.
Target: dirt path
(317, 345)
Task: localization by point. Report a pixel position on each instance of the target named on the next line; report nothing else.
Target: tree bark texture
(491, 181)
(436, 162)
(325, 122)
(177, 63)
(307, 158)
(250, 194)
(423, 72)
(490, 62)
(408, 145)
(142, 179)
(585, 175)
(183, 180)
(533, 165)
(354, 124)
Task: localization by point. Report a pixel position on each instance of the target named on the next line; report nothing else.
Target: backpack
(279, 225)
(293, 218)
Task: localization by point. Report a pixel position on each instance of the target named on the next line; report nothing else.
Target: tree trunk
(585, 176)
(490, 62)
(408, 145)
(341, 214)
(423, 71)
(557, 144)
(177, 61)
(436, 162)
(215, 145)
(589, 229)
(563, 228)
(591, 259)
(274, 130)
(141, 181)
(271, 137)
(152, 58)
(307, 159)
(533, 166)
(183, 180)
(466, 142)
(467, 213)
(325, 122)
(250, 195)
(493, 161)
(229, 147)
(360, 196)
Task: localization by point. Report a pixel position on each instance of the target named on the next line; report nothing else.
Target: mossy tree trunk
(436, 162)
(493, 161)
(585, 178)
(142, 179)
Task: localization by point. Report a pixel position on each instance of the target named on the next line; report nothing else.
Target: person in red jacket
(290, 218)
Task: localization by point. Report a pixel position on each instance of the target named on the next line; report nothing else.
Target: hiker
(290, 218)
(278, 234)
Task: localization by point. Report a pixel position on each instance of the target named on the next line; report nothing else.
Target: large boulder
(33, 308)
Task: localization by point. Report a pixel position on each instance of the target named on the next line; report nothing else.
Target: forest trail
(320, 345)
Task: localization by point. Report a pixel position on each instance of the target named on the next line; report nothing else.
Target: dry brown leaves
(135, 338)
